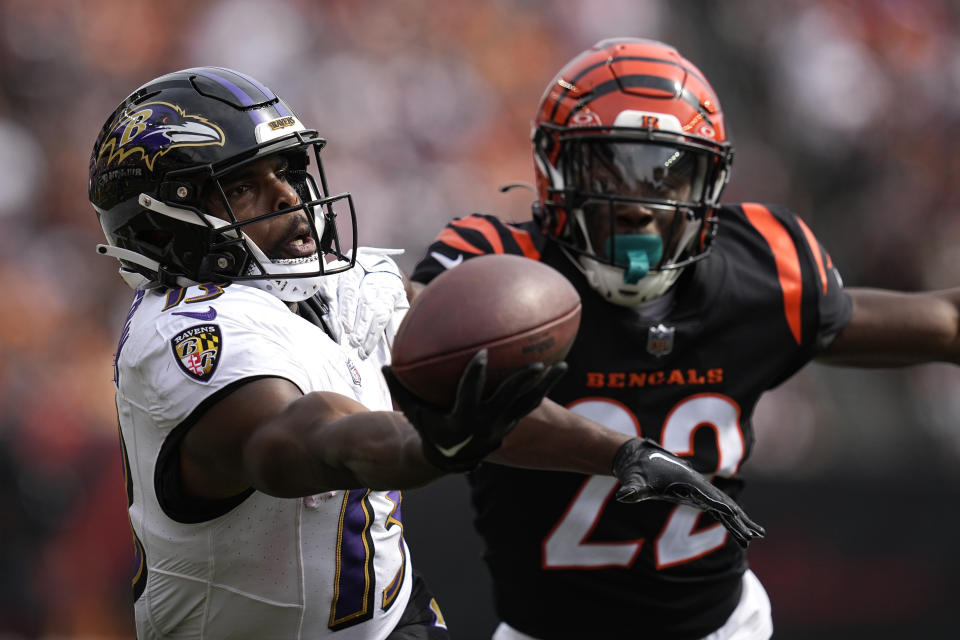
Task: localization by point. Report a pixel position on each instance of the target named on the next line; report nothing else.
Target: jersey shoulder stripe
(475, 235)
(484, 227)
(811, 296)
(814, 247)
(454, 240)
(527, 242)
(787, 262)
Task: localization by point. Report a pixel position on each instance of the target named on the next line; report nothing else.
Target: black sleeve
(477, 235)
(833, 305)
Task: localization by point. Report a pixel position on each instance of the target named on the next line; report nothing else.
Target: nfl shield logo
(660, 340)
(354, 372)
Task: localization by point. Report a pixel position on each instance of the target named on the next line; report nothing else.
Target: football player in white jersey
(262, 455)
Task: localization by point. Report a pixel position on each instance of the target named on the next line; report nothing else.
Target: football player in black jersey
(691, 310)
(262, 457)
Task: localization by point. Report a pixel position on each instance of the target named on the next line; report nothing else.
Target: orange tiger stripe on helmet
(571, 84)
(639, 69)
(616, 97)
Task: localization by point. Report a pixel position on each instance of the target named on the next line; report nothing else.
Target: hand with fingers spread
(647, 471)
(457, 439)
(372, 300)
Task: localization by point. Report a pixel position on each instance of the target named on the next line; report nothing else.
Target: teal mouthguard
(638, 252)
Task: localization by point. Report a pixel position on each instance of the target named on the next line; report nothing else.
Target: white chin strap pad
(289, 289)
(608, 281)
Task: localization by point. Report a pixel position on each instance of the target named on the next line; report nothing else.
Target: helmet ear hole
(157, 239)
(551, 219)
(543, 141)
(539, 215)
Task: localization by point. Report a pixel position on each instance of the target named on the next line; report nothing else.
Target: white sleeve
(190, 360)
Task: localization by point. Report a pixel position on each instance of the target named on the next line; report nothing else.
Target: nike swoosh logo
(669, 459)
(447, 263)
(452, 451)
(206, 316)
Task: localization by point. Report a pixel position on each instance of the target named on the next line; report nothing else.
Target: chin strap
(132, 278)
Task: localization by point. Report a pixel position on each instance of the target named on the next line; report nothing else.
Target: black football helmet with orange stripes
(159, 165)
(631, 156)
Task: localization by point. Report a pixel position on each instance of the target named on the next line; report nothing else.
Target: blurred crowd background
(848, 111)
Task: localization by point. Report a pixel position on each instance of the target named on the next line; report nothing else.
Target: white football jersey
(329, 565)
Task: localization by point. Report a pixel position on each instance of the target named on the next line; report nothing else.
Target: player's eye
(236, 191)
(676, 188)
(281, 168)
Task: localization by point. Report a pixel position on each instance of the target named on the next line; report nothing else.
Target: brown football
(521, 310)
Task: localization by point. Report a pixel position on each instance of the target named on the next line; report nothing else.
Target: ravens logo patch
(197, 350)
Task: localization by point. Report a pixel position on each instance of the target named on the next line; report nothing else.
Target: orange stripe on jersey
(787, 260)
(483, 226)
(525, 242)
(815, 250)
(453, 239)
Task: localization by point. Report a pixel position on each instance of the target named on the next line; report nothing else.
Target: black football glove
(647, 471)
(459, 438)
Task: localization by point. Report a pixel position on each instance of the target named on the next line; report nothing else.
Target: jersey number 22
(679, 541)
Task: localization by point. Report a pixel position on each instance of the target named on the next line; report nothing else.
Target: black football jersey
(566, 559)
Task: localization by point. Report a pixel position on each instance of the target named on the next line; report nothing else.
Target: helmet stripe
(240, 94)
(572, 84)
(685, 68)
(606, 61)
(645, 82)
(270, 95)
(243, 94)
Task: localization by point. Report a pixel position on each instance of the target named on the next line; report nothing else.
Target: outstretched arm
(889, 329)
(554, 437)
(269, 436)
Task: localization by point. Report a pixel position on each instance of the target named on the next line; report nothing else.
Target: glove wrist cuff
(625, 454)
(450, 465)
